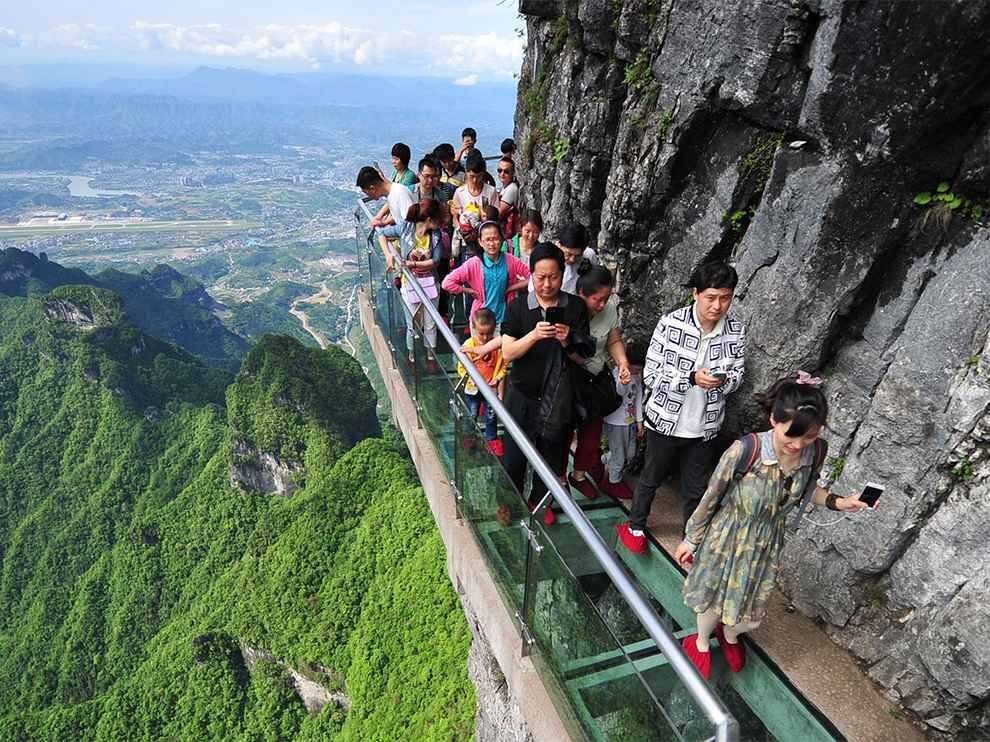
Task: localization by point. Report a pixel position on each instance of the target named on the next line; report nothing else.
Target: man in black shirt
(539, 396)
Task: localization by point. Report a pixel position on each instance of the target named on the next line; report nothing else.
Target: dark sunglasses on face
(506, 170)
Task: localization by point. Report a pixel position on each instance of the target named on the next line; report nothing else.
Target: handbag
(595, 396)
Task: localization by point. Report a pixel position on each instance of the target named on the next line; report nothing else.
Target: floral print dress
(738, 542)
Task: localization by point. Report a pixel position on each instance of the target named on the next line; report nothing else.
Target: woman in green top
(400, 162)
(529, 234)
(736, 534)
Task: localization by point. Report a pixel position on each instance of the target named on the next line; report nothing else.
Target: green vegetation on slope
(163, 303)
(132, 572)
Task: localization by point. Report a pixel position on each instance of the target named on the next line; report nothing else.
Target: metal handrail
(727, 728)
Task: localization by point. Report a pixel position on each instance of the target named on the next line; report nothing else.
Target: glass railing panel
(437, 383)
(602, 673)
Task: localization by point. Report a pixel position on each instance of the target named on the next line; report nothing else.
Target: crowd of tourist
(545, 334)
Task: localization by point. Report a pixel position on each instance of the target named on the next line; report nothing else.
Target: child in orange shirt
(493, 369)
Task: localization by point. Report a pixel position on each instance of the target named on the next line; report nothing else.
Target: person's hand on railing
(377, 222)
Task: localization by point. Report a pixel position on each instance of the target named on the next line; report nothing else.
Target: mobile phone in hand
(555, 315)
(718, 374)
(871, 493)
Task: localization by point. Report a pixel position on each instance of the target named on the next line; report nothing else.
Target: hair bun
(584, 266)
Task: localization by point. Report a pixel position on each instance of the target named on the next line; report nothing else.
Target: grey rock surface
(664, 128)
(499, 718)
(261, 471)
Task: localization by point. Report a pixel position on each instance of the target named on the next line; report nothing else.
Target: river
(79, 187)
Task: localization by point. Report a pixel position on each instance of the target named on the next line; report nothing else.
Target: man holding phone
(540, 330)
(695, 359)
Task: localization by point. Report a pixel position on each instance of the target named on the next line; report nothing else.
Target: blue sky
(474, 41)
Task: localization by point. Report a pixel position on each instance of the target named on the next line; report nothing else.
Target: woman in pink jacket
(492, 278)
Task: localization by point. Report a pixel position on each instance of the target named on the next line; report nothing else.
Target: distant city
(242, 193)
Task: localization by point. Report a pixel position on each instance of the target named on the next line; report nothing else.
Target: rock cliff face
(838, 153)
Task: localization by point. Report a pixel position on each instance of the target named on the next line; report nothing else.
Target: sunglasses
(504, 170)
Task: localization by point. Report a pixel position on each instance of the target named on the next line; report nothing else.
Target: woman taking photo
(421, 250)
(736, 534)
(594, 288)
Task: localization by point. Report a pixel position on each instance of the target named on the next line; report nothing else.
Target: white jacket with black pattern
(670, 360)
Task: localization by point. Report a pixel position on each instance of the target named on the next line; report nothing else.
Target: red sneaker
(584, 486)
(701, 660)
(618, 490)
(549, 518)
(495, 447)
(635, 544)
(735, 654)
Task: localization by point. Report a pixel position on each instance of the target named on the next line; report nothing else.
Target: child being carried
(487, 358)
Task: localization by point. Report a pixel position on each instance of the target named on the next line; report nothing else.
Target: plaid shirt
(671, 359)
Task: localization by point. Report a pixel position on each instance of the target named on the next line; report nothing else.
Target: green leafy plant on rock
(757, 162)
(963, 471)
(739, 219)
(666, 118)
(836, 465)
(561, 147)
(942, 204)
(639, 73)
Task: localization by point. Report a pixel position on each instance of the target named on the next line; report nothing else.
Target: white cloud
(9, 37)
(86, 37)
(466, 58)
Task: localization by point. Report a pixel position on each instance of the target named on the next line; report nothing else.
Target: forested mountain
(162, 302)
(153, 583)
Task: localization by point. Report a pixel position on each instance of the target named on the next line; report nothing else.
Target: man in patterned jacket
(694, 360)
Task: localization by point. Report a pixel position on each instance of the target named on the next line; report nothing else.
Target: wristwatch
(830, 499)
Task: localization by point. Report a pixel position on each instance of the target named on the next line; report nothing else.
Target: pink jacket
(472, 273)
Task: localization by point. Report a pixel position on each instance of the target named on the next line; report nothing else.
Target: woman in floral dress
(736, 534)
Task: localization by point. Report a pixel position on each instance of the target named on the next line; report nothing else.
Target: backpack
(751, 451)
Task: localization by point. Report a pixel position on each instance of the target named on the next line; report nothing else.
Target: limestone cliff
(838, 153)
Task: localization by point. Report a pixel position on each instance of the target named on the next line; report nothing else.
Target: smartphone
(720, 375)
(555, 315)
(871, 493)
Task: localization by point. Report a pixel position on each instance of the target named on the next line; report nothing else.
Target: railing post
(417, 357)
(391, 324)
(531, 584)
(457, 483)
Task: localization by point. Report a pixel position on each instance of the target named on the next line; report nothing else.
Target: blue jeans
(474, 402)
